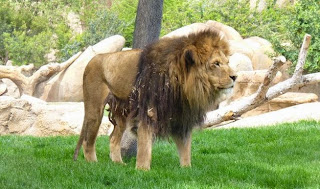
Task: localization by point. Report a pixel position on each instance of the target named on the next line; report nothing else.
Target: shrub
(24, 22)
(126, 11)
(305, 19)
(24, 49)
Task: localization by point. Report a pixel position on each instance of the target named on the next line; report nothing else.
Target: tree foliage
(42, 25)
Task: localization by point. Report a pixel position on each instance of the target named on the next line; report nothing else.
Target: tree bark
(148, 22)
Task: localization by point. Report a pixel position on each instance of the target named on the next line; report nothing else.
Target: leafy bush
(305, 19)
(104, 24)
(126, 12)
(29, 23)
(283, 27)
(27, 49)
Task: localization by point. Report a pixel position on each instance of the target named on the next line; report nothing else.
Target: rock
(126, 49)
(74, 23)
(283, 101)
(259, 5)
(67, 85)
(186, 30)
(261, 61)
(9, 63)
(240, 62)
(12, 89)
(229, 32)
(308, 111)
(293, 98)
(32, 116)
(310, 88)
(248, 83)
(3, 88)
(259, 45)
(240, 47)
(284, 3)
(51, 56)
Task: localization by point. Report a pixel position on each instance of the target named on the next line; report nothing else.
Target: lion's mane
(172, 84)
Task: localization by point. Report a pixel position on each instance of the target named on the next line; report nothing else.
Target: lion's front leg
(115, 139)
(144, 147)
(184, 148)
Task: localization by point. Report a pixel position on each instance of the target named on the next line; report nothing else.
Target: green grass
(284, 156)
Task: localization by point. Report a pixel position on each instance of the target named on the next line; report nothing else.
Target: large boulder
(3, 88)
(241, 47)
(259, 5)
(229, 32)
(261, 61)
(283, 101)
(240, 62)
(284, 3)
(31, 116)
(308, 111)
(248, 82)
(186, 30)
(259, 45)
(67, 85)
(11, 88)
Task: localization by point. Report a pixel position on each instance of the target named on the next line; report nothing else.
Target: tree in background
(148, 22)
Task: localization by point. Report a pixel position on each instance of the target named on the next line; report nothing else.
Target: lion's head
(178, 79)
(203, 67)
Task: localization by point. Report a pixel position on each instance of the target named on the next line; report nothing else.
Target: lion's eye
(217, 64)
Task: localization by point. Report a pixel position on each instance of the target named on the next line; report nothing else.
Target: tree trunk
(148, 22)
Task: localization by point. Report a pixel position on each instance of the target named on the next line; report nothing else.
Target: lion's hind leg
(94, 102)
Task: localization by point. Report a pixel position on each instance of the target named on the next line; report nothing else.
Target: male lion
(167, 88)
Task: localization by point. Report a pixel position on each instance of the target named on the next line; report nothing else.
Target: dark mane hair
(160, 95)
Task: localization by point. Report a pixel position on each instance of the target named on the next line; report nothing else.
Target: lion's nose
(233, 77)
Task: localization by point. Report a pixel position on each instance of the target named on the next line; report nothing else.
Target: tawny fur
(171, 85)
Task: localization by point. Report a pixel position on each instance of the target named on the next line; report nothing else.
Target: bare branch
(265, 93)
(49, 70)
(302, 57)
(26, 84)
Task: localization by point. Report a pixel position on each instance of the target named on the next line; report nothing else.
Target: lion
(165, 90)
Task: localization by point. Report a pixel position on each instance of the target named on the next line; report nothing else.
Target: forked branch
(265, 93)
(27, 84)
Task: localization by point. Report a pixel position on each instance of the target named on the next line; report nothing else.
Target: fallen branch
(27, 84)
(265, 93)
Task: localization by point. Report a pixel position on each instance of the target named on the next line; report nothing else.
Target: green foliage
(126, 12)
(104, 24)
(179, 13)
(30, 21)
(26, 34)
(27, 49)
(305, 19)
(284, 156)
(283, 27)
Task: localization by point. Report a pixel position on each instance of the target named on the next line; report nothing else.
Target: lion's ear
(190, 58)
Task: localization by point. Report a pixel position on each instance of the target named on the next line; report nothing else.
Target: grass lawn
(284, 156)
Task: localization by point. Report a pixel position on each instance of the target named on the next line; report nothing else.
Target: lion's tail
(80, 141)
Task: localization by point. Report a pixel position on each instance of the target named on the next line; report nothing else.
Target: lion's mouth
(226, 86)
